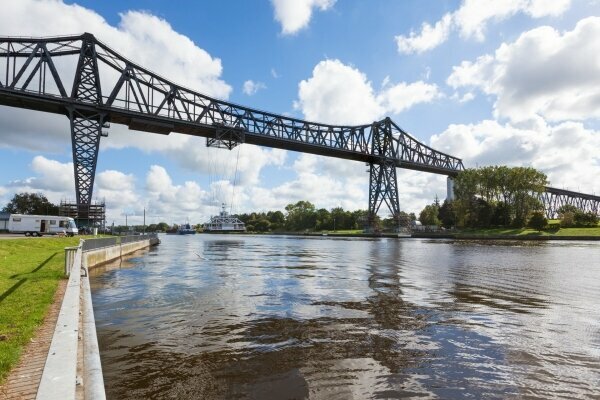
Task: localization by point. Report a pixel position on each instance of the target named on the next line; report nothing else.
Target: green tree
(586, 219)
(162, 226)
(502, 214)
(277, 219)
(30, 203)
(300, 216)
(567, 208)
(479, 193)
(538, 221)
(567, 219)
(262, 225)
(429, 215)
(446, 214)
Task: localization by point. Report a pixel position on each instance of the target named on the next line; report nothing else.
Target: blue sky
(513, 82)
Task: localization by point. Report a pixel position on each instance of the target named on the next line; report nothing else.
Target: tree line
(500, 196)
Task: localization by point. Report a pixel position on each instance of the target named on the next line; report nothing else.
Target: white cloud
(294, 15)
(141, 37)
(400, 97)
(562, 151)
(51, 176)
(150, 42)
(340, 94)
(274, 73)
(544, 72)
(328, 182)
(117, 189)
(250, 87)
(472, 18)
(430, 37)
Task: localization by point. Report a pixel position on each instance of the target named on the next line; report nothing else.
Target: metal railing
(93, 244)
(138, 238)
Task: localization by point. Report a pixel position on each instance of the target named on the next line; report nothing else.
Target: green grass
(30, 270)
(532, 232)
(344, 232)
(579, 231)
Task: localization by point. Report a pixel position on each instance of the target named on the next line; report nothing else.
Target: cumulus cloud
(149, 41)
(294, 15)
(544, 72)
(51, 176)
(337, 93)
(472, 18)
(429, 38)
(562, 151)
(117, 189)
(141, 37)
(328, 183)
(250, 87)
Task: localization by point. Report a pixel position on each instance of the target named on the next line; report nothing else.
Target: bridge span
(96, 86)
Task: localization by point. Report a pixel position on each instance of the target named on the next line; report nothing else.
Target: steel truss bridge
(93, 85)
(553, 199)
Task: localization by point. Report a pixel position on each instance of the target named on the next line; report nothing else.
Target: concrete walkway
(23, 381)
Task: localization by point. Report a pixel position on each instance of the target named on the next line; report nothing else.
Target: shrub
(586, 219)
(538, 221)
(567, 219)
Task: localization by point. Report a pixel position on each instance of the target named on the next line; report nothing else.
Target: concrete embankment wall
(96, 257)
(73, 369)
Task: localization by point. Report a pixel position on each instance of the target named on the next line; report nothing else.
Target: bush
(567, 219)
(538, 221)
(553, 226)
(586, 219)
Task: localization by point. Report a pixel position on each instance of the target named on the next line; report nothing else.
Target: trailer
(38, 225)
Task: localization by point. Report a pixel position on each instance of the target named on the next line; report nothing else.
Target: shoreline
(423, 235)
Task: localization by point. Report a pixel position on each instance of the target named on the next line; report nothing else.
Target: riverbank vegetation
(30, 270)
(505, 201)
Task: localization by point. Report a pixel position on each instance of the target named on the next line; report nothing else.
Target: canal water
(262, 317)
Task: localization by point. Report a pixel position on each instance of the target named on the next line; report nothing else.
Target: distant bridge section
(553, 199)
(93, 85)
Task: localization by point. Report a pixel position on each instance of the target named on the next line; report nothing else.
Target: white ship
(224, 223)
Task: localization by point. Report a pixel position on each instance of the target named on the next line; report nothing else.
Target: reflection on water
(252, 317)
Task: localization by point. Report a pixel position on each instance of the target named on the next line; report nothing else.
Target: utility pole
(144, 220)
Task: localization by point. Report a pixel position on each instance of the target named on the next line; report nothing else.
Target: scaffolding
(86, 216)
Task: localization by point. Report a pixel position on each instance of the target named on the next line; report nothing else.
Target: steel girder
(107, 87)
(132, 95)
(553, 199)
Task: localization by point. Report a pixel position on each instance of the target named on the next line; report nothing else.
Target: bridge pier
(86, 125)
(85, 141)
(383, 185)
(450, 188)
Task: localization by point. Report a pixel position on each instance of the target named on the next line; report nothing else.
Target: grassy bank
(30, 270)
(531, 232)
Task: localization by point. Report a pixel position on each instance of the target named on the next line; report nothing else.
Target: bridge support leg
(450, 188)
(383, 188)
(85, 139)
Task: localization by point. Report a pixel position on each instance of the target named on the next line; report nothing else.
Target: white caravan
(38, 225)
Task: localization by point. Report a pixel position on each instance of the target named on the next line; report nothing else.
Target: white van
(38, 225)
